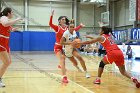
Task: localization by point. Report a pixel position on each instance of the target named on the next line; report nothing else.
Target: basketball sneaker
(97, 81)
(136, 82)
(65, 80)
(1, 83)
(87, 75)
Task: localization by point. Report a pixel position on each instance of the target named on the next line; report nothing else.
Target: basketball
(77, 45)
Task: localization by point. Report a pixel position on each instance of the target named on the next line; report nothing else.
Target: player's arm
(63, 41)
(79, 27)
(6, 22)
(99, 39)
(55, 27)
(90, 37)
(13, 29)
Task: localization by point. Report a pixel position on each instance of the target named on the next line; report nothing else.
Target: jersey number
(111, 41)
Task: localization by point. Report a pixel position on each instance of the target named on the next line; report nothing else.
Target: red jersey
(109, 43)
(59, 30)
(5, 31)
(4, 37)
(114, 54)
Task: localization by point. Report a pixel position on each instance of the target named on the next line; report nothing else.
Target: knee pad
(102, 64)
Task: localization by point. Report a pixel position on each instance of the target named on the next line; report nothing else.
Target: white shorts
(68, 50)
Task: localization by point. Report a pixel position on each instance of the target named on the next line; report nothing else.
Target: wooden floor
(37, 72)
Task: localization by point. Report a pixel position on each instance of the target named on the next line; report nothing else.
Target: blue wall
(123, 35)
(16, 41)
(135, 33)
(32, 41)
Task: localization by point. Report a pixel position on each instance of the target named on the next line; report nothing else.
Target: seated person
(129, 52)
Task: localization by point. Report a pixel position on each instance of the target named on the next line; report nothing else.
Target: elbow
(49, 23)
(5, 25)
(61, 43)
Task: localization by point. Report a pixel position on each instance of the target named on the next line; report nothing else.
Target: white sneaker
(2, 84)
(87, 75)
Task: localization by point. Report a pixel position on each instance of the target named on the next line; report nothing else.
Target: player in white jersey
(69, 37)
(70, 52)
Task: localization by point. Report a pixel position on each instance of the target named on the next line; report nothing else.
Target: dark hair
(71, 21)
(5, 11)
(67, 20)
(107, 30)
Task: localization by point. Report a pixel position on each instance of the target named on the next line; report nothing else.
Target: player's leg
(61, 58)
(75, 63)
(5, 57)
(120, 63)
(82, 62)
(124, 73)
(102, 64)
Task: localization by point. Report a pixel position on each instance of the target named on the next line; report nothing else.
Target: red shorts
(114, 56)
(57, 48)
(4, 44)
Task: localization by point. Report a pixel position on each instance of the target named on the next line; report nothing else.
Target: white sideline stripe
(75, 84)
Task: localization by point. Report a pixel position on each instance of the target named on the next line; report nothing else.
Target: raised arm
(101, 24)
(55, 27)
(79, 27)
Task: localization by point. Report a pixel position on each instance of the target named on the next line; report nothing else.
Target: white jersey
(68, 49)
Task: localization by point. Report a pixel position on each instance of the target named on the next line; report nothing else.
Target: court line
(76, 84)
(50, 74)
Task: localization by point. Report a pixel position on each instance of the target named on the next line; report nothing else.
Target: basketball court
(34, 67)
(37, 72)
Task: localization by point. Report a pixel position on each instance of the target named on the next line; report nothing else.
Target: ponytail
(110, 30)
(107, 30)
(67, 20)
(5, 11)
(1, 14)
(71, 21)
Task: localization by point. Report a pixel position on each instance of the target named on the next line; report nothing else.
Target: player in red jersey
(114, 54)
(59, 30)
(5, 28)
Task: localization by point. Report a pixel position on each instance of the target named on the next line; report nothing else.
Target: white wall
(39, 12)
(89, 14)
(121, 14)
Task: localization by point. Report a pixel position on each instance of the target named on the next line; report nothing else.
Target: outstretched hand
(19, 19)
(101, 24)
(15, 29)
(52, 12)
(82, 25)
